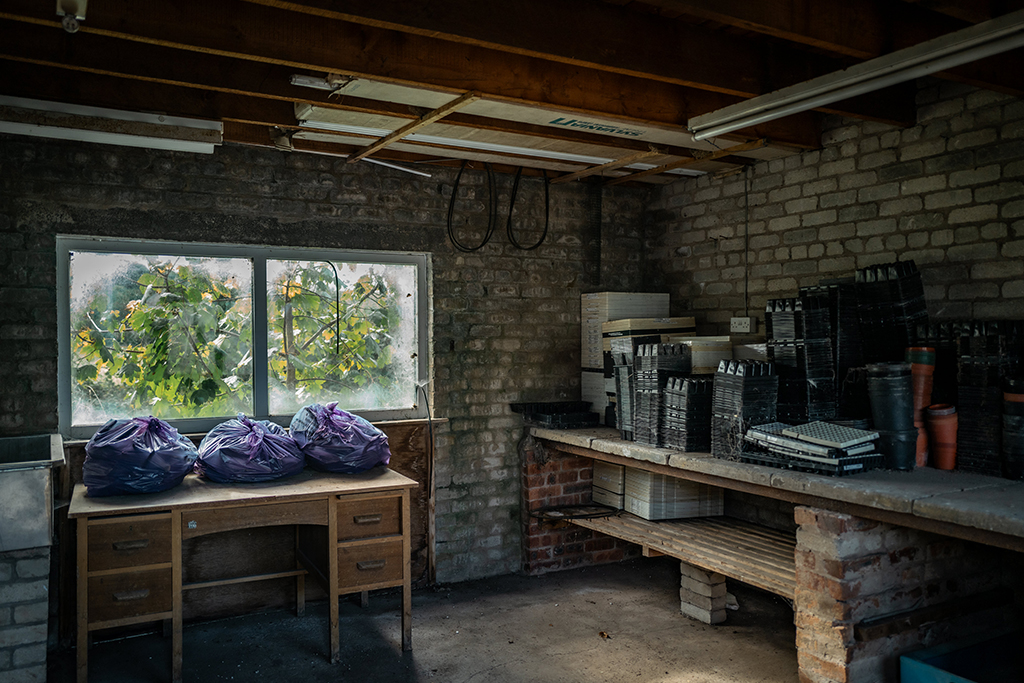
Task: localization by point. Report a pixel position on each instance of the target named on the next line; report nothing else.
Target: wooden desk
(352, 536)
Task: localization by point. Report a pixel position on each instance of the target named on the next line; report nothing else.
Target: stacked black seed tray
(653, 366)
(558, 414)
(988, 352)
(891, 304)
(817, 447)
(744, 393)
(623, 353)
(686, 416)
(840, 297)
(1013, 427)
(800, 345)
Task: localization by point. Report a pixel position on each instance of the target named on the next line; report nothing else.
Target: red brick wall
(850, 569)
(552, 478)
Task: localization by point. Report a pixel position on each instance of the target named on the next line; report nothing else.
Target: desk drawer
(369, 518)
(131, 594)
(215, 520)
(370, 564)
(129, 543)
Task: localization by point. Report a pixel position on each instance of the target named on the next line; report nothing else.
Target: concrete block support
(702, 594)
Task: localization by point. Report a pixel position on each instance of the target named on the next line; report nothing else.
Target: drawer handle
(369, 565)
(127, 596)
(131, 545)
(368, 519)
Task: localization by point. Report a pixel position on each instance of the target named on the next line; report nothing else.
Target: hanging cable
(492, 210)
(512, 203)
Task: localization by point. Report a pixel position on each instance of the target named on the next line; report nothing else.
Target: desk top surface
(197, 492)
(958, 498)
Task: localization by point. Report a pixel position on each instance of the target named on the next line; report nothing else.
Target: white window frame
(259, 256)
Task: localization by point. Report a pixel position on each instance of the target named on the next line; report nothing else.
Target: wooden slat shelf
(753, 554)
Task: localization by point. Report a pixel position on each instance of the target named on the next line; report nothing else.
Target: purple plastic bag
(140, 455)
(335, 441)
(244, 450)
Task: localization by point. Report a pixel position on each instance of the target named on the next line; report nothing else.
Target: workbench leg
(176, 612)
(364, 599)
(83, 600)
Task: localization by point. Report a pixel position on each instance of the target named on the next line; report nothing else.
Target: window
(175, 330)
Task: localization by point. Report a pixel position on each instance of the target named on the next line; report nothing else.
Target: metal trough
(26, 491)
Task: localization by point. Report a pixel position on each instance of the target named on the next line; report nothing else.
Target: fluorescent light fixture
(38, 118)
(967, 45)
(476, 145)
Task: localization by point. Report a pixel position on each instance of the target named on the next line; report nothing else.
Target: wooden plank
(332, 583)
(672, 165)
(129, 621)
(410, 128)
(128, 570)
(243, 579)
(610, 166)
(744, 553)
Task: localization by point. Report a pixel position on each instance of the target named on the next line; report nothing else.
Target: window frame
(258, 255)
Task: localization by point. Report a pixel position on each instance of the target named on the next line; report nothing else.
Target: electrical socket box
(742, 325)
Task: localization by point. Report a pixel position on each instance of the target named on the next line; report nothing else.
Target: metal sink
(26, 491)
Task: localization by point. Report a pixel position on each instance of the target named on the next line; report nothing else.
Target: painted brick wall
(946, 192)
(23, 615)
(505, 322)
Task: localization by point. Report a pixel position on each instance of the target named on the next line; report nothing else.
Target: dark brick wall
(945, 193)
(505, 322)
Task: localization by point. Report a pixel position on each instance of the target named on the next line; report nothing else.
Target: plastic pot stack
(922, 368)
(1013, 427)
(891, 305)
(744, 394)
(987, 352)
(799, 344)
(890, 389)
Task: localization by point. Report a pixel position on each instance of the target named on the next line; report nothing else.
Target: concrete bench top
(955, 498)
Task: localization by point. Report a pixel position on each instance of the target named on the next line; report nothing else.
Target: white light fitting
(476, 145)
(38, 118)
(967, 45)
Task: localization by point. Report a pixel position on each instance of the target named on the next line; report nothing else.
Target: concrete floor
(612, 623)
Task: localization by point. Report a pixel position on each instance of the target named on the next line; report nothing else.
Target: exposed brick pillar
(552, 478)
(701, 594)
(867, 592)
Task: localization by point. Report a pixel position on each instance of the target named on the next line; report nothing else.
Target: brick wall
(505, 322)
(935, 589)
(24, 611)
(550, 479)
(945, 193)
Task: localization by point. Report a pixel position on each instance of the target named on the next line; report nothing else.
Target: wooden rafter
(268, 35)
(862, 29)
(671, 166)
(411, 128)
(610, 166)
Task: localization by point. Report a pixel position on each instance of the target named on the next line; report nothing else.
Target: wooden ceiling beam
(861, 29)
(664, 168)
(615, 40)
(610, 166)
(102, 55)
(252, 32)
(422, 122)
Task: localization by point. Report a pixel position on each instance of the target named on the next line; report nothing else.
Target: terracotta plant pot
(942, 426)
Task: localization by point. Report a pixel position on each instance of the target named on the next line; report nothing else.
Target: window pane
(342, 332)
(168, 336)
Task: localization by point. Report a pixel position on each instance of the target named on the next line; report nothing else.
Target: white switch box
(743, 325)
